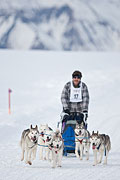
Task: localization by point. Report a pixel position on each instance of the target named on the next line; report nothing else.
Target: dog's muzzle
(57, 146)
(34, 138)
(48, 139)
(93, 146)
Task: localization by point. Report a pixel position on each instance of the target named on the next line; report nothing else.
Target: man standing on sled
(75, 100)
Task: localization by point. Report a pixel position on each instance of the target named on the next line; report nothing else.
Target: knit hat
(77, 74)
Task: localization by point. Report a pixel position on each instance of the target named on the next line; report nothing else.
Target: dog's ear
(92, 132)
(31, 126)
(97, 133)
(36, 127)
(82, 124)
(76, 123)
(60, 136)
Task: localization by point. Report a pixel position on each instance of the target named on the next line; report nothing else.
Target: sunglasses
(76, 77)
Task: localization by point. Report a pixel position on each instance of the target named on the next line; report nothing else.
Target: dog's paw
(53, 167)
(81, 158)
(45, 158)
(95, 164)
(59, 166)
(29, 162)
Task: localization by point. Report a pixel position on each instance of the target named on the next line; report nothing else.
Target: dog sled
(68, 134)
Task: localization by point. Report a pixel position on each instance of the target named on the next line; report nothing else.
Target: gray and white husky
(29, 140)
(57, 149)
(82, 141)
(100, 143)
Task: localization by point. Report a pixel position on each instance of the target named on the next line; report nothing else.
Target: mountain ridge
(82, 25)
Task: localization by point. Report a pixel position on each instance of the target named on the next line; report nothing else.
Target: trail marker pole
(9, 101)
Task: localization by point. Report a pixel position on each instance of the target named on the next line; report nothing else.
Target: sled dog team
(51, 144)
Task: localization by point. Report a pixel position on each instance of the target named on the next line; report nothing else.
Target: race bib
(76, 93)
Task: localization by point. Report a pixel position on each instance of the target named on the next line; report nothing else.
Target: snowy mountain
(60, 25)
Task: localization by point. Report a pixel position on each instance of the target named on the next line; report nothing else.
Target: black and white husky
(57, 149)
(101, 144)
(44, 140)
(82, 141)
(29, 140)
(48, 140)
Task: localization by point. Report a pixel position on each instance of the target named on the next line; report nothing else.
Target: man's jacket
(75, 106)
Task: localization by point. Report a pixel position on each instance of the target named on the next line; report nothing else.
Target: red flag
(9, 90)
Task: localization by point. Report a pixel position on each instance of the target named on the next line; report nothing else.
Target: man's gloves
(85, 113)
(65, 115)
(66, 111)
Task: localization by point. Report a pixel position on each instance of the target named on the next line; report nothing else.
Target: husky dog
(42, 130)
(29, 140)
(100, 143)
(48, 140)
(57, 149)
(82, 141)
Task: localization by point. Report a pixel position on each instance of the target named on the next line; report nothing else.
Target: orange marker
(9, 102)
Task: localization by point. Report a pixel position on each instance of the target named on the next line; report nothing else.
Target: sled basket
(68, 136)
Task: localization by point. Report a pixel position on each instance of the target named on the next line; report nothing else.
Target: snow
(37, 79)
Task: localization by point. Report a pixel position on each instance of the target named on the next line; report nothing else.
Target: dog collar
(80, 141)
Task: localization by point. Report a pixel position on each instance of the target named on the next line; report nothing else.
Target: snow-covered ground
(37, 79)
